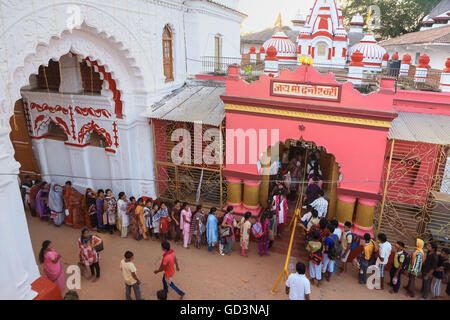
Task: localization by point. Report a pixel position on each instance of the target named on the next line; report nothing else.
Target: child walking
(129, 275)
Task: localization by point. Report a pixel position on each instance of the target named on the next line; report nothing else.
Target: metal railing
(409, 82)
(219, 65)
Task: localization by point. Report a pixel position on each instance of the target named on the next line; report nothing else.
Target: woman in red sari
(72, 201)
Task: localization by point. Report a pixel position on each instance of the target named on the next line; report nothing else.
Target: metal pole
(385, 186)
(285, 271)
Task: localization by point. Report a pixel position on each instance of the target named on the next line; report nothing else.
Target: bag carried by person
(406, 261)
(257, 230)
(311, 230)
(335, 252)
(356, 240)
(98, 247)
(225, 232)
(317, 257)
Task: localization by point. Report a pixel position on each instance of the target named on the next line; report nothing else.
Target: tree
(397, 16)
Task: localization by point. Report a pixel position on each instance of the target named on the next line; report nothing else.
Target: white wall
(203, 22)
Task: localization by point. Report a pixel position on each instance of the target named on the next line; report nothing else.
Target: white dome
(286, 49)
(357, 19)
(373, 53)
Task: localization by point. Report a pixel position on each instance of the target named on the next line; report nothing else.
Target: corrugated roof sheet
(419, 127)
(191, 104)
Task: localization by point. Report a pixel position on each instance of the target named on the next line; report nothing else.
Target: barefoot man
(168, 264)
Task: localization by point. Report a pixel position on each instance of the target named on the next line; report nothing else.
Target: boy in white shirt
(297, 285)
(384, 252)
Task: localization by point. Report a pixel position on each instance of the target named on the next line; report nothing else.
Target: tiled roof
(433, 35)
(262, 36)
(442, 7)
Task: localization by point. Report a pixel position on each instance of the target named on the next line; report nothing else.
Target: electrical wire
(216, 182)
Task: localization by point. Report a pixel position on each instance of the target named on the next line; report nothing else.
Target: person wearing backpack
(350, 241)
(384, 251)
(332, 253)
(315, 248)
(366, 257)
(401, 263)
(261, 232)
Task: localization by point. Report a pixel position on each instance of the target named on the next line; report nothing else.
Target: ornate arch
(92, 126)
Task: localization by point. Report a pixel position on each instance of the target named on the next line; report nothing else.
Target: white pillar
(18, 268)
(262, 54)
(422, 69)
(445, 77)
(271, 63)
(356, 68)
(70, 74)
(404, 66)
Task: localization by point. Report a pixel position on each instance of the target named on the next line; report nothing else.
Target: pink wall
(359, 151)
(358, 148)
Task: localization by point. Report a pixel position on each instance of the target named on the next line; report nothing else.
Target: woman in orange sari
(139, 212)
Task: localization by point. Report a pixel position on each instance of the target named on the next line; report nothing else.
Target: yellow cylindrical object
(251, 195)
(344, 211)
(234, 193)
(364, 215)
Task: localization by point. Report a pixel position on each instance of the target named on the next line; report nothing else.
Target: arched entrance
(25, 50)
(351, 126)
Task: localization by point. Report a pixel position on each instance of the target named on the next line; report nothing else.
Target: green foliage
(397, 16)
(249, 73)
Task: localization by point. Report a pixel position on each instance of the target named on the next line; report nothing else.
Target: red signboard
(305, 90)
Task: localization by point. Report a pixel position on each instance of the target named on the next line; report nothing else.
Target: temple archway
(31, 44)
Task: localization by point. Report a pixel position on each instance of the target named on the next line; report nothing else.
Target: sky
(262, 14)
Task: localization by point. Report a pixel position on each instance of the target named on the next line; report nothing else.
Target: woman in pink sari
(185, 224)
(52, 265)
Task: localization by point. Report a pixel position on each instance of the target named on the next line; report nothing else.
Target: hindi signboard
(305, 90)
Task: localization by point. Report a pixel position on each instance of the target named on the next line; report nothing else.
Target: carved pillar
(364, 216)
(70, 74)
(265, 181)
(18, 269)
(345, 208)
(235, 187)
(251, 197)
(334, 176)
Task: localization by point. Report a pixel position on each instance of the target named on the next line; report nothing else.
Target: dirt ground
(203, 275)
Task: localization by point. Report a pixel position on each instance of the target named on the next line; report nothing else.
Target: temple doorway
(301, 163)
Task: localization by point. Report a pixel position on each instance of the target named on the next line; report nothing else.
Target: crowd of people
(328, 244)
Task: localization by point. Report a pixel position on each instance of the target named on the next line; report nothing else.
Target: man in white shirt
(384, 251)
(297, 285)
(320, 204)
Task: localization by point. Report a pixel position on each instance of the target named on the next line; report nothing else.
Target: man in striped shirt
(320, 204)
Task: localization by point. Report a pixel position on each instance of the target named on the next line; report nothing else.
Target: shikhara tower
(323, 36)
